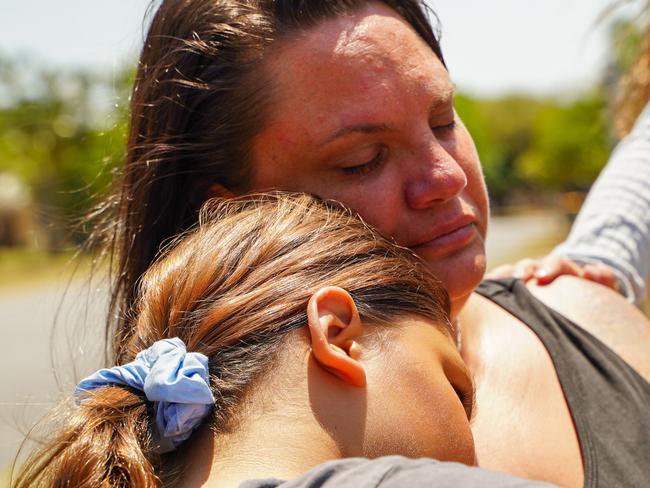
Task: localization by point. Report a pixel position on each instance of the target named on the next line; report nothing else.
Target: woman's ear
(334, 324)
(217, 190)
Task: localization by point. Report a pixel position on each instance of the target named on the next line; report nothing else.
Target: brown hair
(199, 97)
(233, 290)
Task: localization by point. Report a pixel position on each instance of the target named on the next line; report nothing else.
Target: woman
(305, 328)
(350, 100)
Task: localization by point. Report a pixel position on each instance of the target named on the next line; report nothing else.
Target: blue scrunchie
(177, 382)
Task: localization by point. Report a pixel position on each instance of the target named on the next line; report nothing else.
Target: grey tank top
(396, 472)
(609, 401)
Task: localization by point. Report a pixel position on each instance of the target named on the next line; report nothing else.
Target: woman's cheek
(378, 202)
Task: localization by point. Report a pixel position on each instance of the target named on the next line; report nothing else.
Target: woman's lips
(449, 241)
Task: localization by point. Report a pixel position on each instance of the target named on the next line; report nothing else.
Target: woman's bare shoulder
(605, 314)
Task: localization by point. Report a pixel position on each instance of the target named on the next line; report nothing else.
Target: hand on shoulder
(604, 313)
(545, 270)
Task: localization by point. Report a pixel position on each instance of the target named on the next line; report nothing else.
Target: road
(513, 237)
(34, 346)
(32, 349)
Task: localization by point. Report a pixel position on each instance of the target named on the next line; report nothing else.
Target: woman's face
(362, 112)
(419, 395)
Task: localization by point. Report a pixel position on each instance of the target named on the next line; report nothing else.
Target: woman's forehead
(353, 70)
(368, 47)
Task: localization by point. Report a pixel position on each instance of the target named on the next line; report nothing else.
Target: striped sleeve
(613, 226)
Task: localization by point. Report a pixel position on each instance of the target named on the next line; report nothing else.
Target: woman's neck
(458, 304)
(470, 321)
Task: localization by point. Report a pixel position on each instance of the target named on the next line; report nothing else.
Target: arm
(613, 226)
(609, 242)
(605, 314)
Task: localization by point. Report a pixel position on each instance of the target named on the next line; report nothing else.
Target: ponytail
(231, 293)
(106, 442)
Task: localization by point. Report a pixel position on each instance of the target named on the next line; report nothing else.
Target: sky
(492, 47)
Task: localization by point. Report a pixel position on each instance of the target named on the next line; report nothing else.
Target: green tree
(569, 147)
(53, 139)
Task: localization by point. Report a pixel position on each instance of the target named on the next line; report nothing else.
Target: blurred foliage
(65, 142)
(626, 38)
(630, 63)
(531, 147)
(56, 136)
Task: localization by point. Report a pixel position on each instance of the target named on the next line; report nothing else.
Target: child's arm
(610, 240)
(613, 226)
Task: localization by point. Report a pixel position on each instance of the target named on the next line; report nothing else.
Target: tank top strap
(609, 401)
(513, 296)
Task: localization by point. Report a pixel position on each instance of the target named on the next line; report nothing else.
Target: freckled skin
(371, 69)
(375, 70)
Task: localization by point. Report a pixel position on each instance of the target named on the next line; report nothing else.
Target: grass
(23, 267)
(19, 267)
(5, 477)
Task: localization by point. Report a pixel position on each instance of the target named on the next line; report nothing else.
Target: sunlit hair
(234, 289)
(633, 90)
(201, 93)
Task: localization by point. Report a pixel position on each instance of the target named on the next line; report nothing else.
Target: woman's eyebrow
(356, 128)
(444, 98)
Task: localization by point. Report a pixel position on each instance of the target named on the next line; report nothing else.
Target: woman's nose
(436, 178)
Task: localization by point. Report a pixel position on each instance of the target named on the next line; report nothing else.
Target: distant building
(16, 222)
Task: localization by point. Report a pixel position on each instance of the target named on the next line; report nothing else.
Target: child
(281, 334)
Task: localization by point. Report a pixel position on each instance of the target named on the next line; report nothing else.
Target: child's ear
(334, 324)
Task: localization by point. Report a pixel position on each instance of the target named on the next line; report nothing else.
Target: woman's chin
(460, 272)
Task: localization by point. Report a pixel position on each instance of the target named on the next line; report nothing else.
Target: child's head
(289, 298)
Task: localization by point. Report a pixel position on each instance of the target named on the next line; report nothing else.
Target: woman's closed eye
(444, 129)
(377, 158)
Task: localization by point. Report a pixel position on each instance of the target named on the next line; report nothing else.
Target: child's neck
(282, 447)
